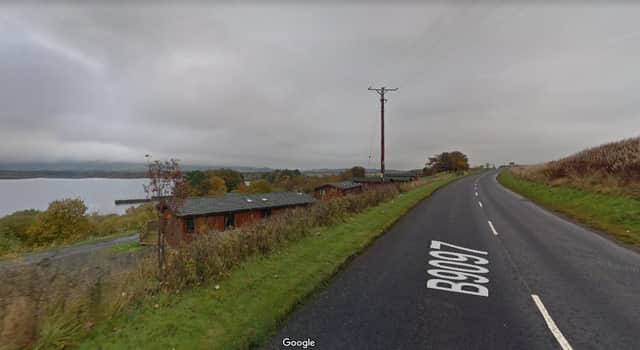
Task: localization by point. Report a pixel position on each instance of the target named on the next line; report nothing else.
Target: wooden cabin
(202, 214)
(333, 190)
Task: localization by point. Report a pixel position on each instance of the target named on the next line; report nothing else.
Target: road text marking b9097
(458, 272)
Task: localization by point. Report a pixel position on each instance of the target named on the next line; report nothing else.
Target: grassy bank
(615, 214)
(244, 309)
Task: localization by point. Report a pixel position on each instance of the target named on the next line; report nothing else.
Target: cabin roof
(232, 202)
(382, 180)
(343, 185)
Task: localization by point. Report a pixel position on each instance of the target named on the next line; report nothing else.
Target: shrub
(64, 219)
(15, 226)
(211, 255)
(134, 219)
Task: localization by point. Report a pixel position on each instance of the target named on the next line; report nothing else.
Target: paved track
(75, 251)
(551, 284)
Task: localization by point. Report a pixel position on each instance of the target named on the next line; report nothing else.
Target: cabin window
(229, 220)
(191, 225)
(265, 213)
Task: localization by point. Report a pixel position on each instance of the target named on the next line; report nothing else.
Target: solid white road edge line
(564, 344)
(493, 229)
(480, 204)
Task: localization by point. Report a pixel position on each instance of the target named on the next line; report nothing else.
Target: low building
(333, 190)
(376, 182)
(200, 214)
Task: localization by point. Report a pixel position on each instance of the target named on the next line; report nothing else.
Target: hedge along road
(476, 266)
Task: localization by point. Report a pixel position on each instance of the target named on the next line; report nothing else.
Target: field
(609, 168)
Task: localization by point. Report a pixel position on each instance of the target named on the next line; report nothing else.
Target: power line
(381, 91)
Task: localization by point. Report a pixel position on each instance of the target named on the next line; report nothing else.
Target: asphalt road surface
(76, 250)
(476, 266)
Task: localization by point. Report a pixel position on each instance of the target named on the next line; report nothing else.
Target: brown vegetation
(212, 255)
(49, 307)
(46, 306)
(612, 167)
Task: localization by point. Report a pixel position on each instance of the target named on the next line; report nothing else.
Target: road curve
(550, 284)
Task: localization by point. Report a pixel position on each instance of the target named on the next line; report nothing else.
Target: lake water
(98, 194)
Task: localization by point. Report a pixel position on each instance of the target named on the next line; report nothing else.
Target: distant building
(333, 190)
(375, 182)
(199, 214)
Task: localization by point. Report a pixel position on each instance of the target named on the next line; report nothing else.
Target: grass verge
(615, 214)
(126, 247)
(244, 309)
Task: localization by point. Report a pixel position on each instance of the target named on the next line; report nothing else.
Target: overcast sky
(286, 86)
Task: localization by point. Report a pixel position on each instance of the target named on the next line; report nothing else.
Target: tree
(280, 175)
(168, 185)
(447, 161)
(356, 171)
(64, 219)
(458, 161)
(242, 188)
(197, 183)
(259, 186)
(232, 178)
(216, 186)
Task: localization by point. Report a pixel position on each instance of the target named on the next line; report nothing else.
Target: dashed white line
(476, 194)
(493, 229)
(564, 344)
(480, 204)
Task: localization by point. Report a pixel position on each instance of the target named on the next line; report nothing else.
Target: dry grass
(612, 167)
(46, 306)
(50, 307)
(211, 256)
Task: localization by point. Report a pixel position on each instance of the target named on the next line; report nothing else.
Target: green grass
(244, 309)
(126, 247)
(615, 214)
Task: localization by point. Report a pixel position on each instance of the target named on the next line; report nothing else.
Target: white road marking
(476, 194)
(564, 344)
(457, 272)
(480, 204)
(493, 229)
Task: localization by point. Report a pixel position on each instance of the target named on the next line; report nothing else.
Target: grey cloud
(281, 85)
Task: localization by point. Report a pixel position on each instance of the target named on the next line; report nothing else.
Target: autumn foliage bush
(65, 221)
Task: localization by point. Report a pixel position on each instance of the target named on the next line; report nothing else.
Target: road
(534, 281)
(80, 249)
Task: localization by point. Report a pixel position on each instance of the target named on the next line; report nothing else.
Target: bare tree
(167, 185)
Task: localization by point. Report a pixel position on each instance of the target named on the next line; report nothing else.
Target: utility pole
(381, 91)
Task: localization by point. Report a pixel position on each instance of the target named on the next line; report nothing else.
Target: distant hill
(93, 169)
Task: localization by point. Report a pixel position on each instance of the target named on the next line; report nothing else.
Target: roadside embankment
(614, 213)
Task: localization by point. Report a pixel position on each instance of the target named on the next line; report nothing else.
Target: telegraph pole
(381, 91)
